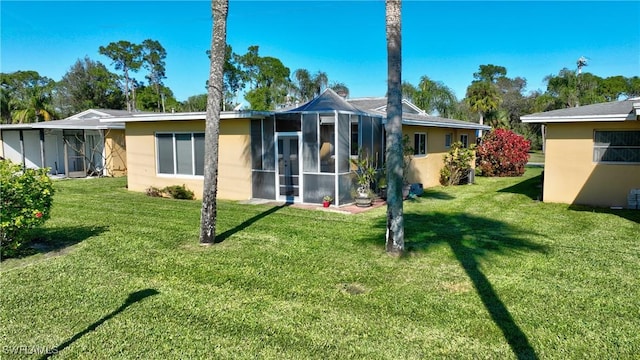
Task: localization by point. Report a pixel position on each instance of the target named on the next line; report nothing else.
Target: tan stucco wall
(116, 152)
(426, 169)
(571, 176)
(234, 163)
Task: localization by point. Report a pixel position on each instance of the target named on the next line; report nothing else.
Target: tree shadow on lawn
(435, 194)
(223, 236)
(470, 238)
(56, 240)
(531, 187)
(629, 214)
(131, 299)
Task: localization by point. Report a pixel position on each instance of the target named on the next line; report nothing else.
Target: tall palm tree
(219, 10)
(483, 97)
(395, 217)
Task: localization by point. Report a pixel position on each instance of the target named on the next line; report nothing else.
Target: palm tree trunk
(219, 9)
(395, 218)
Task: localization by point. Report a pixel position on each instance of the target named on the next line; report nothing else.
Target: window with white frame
(616, 146)
(464, 139)
(447, 140)
(180, 153)
(419, 144)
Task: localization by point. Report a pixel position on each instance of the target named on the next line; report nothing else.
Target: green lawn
(536, 156)
(490, 273)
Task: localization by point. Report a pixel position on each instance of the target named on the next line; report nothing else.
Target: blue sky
(446, 41)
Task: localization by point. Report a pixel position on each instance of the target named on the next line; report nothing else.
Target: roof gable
(328, 101)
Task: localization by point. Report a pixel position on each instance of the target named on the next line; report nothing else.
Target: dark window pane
(198, 152)
(165, 153)
(184, 158)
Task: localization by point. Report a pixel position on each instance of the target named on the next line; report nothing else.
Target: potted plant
(365, 174)
(326, 200)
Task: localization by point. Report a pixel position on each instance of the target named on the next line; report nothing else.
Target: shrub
(502, 153)
(25, 198)
(179, 192)
(154, 192)
(457, 164)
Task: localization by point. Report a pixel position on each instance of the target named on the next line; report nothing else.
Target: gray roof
(411, 114)
(611, 111)
(327, 101)
(87, 120)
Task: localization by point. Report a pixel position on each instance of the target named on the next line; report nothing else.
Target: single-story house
(592, 153)
(77, 146)
(295, 155)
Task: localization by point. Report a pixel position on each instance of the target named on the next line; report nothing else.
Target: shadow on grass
(48, 240)
(222, 237)
(131, 299)
(531, 187)
(435, 194)
(470, 238)
(629, 214)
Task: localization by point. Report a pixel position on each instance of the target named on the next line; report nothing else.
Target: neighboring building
(294, 155)
(77, 146)
(592, 153)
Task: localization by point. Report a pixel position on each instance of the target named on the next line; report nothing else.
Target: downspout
(42, 149)
(24, 166)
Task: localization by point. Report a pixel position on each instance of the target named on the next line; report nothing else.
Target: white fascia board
(188, 116)
(471, 126)
(576, 118)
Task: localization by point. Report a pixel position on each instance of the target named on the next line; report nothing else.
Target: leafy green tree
(195, 103)
(26, 97)
(88, 84)
(490, 73)
(153, 59)
(633, 87)
(125, 56)
(612, 88)
(146, 99)
(220, 11)
(267, 77)
(394, 238)
(309, 86)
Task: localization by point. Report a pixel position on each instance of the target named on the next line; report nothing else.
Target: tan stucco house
(592, 153)
(77, 146)
(297, 155)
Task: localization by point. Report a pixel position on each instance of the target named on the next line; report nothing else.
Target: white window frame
(416, 149)
(175, 165)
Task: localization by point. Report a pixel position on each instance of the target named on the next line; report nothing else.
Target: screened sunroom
(303, 154)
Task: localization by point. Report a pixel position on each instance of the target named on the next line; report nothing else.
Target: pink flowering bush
(25, 202)
(502, 153)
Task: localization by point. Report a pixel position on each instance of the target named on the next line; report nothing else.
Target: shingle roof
(610, 111)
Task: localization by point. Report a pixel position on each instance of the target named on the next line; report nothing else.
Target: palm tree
(483, 97)
(395, 217)
(220, 10)
(435, 96)
(35, 108)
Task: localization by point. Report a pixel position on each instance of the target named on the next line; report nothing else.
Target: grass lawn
(490, 273)
(536, 156)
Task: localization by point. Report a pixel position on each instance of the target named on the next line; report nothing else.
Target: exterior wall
(571, 176)
(234, 162)
(425, 169)
(115, 152)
